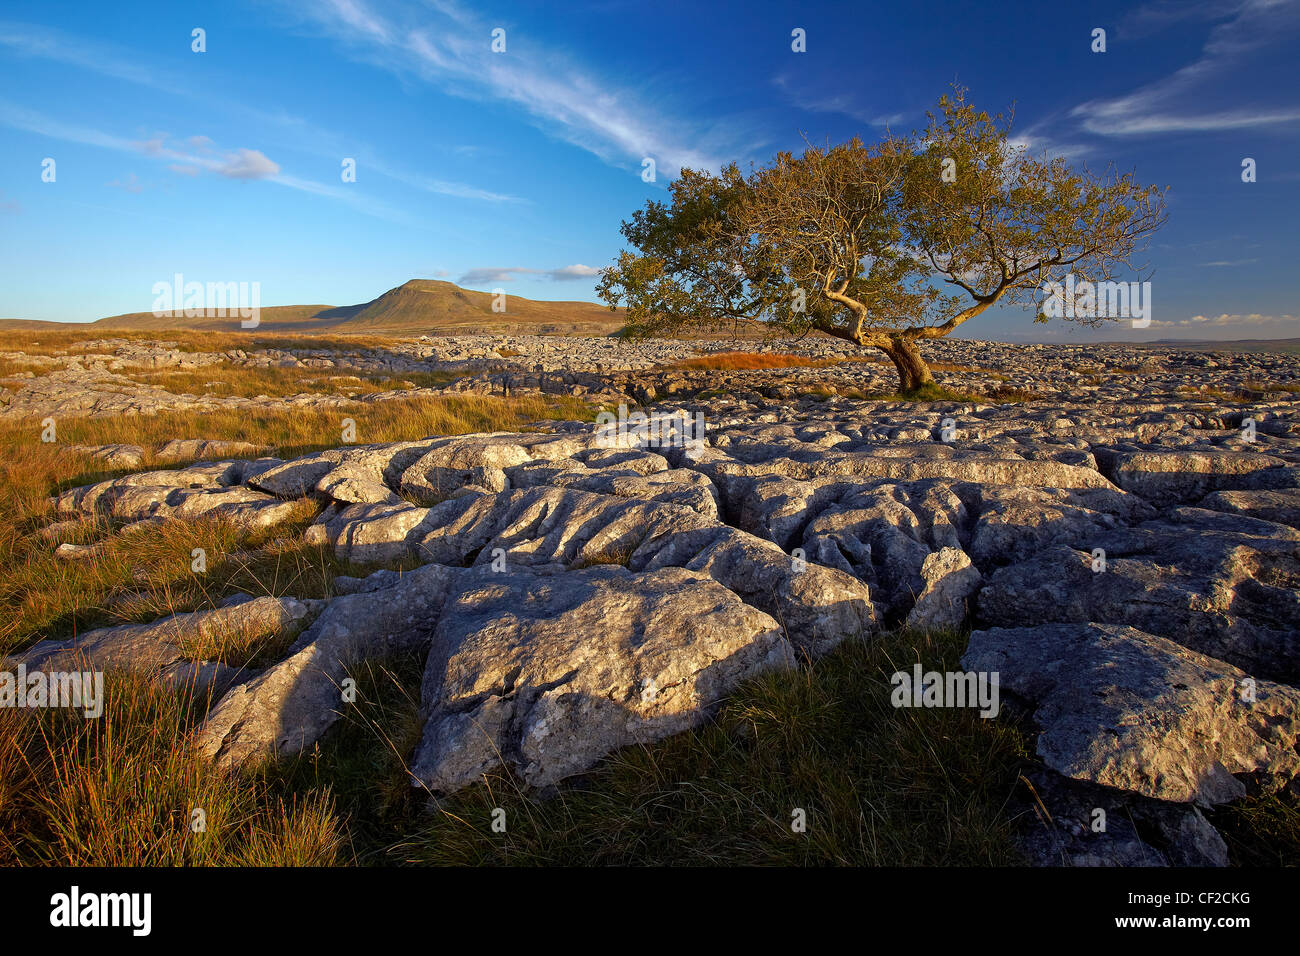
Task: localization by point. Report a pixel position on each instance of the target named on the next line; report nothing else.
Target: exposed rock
(114, 456)
(1138, 712)
(480, 461)
(166, 648)
(1131, 546)
(549, 675)
(1224, 593)
(1081, 824)
(950, 579)
(288, 706)
(1167, 477)
(188, 449)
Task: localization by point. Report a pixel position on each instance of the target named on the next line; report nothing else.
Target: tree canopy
(885, 244)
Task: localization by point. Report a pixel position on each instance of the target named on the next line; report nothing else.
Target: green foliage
(882, 244)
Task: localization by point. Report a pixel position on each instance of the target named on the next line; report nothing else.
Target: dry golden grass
(122, 790)
(12, 368)
(70, 339)
(242, 382)
(147, 574)
(1210, 391)
(967, 370)
(750, 361)
(290, 430)
(1258, 385)
(881, 785)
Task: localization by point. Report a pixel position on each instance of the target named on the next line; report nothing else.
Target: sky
(514, 168)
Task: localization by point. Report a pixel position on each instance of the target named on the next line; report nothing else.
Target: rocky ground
(1124, 546)
(113, 377)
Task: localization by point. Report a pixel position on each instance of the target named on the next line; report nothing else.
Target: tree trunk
(912, 370)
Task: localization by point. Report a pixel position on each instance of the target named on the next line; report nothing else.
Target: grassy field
(876, 785)
(68, 339)
(146, 574)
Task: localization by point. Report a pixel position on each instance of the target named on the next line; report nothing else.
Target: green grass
(933, 392)
(122, 791)
(879, 786)
(1261, 831)
(146, 574)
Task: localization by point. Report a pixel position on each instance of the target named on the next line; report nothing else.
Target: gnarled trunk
(912, 370)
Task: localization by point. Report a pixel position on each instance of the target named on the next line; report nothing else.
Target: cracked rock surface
(1128, 555)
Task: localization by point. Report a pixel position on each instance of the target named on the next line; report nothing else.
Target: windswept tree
(886, 245)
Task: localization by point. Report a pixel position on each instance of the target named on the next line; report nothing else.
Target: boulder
(547, 675)
(1140, 713)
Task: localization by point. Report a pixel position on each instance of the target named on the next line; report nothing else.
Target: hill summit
(420, 305)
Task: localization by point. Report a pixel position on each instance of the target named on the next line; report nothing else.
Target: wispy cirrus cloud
(1274, 323)
(1035, 142)
(846, 104)
(1209, 94)
(17, 117)
(192, 156)
(41, 42)
(440, 187)
(483, 276)
(578, 106)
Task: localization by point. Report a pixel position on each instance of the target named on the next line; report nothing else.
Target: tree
(887, 245)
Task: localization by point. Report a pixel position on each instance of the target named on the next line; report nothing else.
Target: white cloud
(1036, 144)
(17, 117)
(1230, 319)
(30, 40)
(37, 41)
(495, 274)
(1125, 118)
(577, 271)
(244, 164)
(453, 53)
(1182, 101)
(439, 187)
(844, 103)
(492, 274)
(247, 164)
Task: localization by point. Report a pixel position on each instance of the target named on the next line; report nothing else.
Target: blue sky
(515, 169)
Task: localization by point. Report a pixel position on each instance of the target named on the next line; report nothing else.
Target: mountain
(429, 304)
(421, 305)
